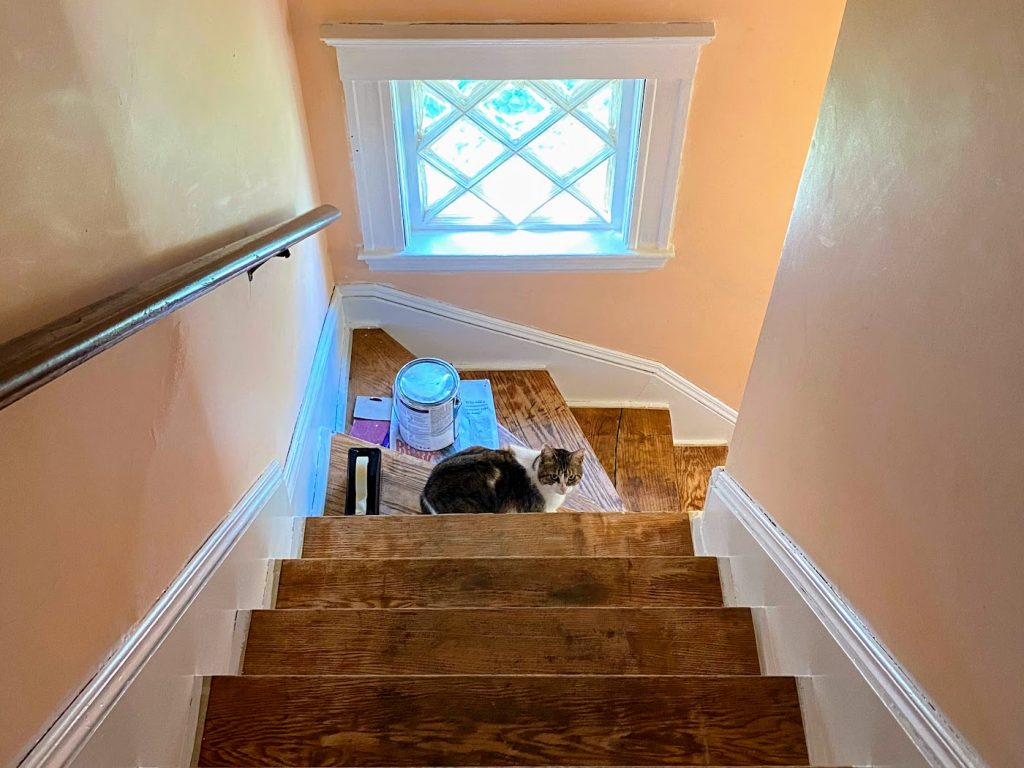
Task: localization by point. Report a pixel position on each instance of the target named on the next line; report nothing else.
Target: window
(517, 155)
(558, 149)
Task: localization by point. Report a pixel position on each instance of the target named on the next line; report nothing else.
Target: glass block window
(517, 154)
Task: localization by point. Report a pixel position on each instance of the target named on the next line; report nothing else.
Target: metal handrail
(40, 356)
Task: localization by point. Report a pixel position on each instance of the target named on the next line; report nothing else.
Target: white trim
(625, 262)
(305, 466)
(69, 734)
(584, 372)
(404, 51)
(344, 343)
(931, 731)
(371, 55)
(659, 157)
(374, 164)
(193, 629)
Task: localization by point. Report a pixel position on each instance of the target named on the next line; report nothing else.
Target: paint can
(427, 403)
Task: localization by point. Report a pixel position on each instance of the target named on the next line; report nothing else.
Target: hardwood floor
(636, 448)
(693, 471)
(402, 479)
(649, 472)
(645, 469)
(529, 405)
(601, 426)
(376, 360)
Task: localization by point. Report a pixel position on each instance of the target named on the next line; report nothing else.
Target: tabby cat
(512, 479)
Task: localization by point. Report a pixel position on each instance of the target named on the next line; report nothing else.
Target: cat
(512, 479)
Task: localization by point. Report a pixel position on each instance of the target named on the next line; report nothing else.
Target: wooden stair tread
(601, 428)
(637, 444)
(645, 463)
(529, 405)
(595, 534)
(693, 471)
(375, 361)
(499, 582)
(527, 402)
(502, 720)
(473, 641)
(402, 479)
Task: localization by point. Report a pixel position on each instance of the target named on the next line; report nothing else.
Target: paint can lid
(427, 381)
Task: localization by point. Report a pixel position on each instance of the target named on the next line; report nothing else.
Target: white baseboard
(586, 374)
(305, 469)
(140, 709)
(861, 707)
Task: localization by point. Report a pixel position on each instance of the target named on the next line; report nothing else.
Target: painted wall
(883, 419)
(135, 136)
(754, 102)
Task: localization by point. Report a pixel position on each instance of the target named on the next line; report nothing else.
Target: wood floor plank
(693, 471)
(601, 427)
(402, 479)
(521, 720)
(500, 582)
(562, 534)
(530, 406)
(645, 468)
(375, 361)
(531, 641)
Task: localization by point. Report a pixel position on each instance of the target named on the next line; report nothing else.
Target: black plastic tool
(373, 479)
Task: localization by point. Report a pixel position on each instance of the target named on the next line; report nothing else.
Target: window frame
(370, 56)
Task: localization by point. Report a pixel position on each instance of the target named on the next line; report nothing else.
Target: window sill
(559, 251)
(606, 262)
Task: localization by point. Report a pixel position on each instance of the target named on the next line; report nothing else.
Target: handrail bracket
(286, 253)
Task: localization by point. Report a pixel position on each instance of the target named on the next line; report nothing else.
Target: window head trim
(371, 55)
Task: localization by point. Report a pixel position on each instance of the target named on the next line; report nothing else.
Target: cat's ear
(547, 453)
(576, 459)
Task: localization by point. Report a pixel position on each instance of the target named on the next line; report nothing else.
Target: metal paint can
(427, 403)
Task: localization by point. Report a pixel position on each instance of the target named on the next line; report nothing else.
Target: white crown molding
(931, 731)
(587, 374)
(73, 728)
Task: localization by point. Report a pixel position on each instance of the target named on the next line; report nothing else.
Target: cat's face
(560, 468)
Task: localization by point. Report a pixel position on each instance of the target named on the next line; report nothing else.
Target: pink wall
(755, 99)
(136, 135)
(884, 415)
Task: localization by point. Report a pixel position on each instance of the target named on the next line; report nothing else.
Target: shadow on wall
(133, 139)
(105, 199)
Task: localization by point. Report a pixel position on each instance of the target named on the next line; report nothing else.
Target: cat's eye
(573, 479)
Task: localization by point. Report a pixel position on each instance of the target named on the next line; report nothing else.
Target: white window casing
(370, 56)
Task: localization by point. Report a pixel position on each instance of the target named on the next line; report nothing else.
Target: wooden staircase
(585, 638)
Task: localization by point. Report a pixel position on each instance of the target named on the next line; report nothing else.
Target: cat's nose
(561, 487)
